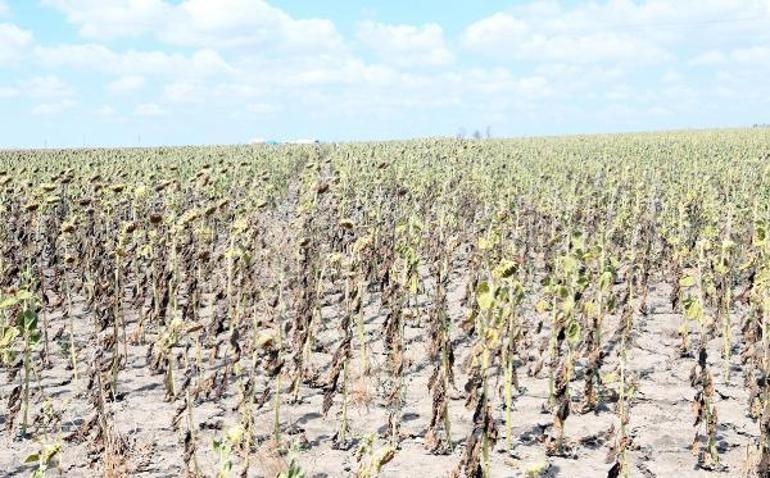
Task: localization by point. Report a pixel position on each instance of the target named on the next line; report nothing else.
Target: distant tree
(489, 131)
(461, 133)
(477, 134)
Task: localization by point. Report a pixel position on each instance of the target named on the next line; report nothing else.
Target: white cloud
(53, 107)
(184, 92)
(487, 34)
(49, 86)
(149, 109)
(592, 48)
(208, 59)
(204, 62)
(101, 19)
(345, 72)
(405, 45)
(680, 93)
(91, 56)
(248, 59)
(262, 108)
(659, 111)
(247, 23)
(4, 8)
(506, 36)
(13, 42)
(498, 82)
(672, 76)
(708, 58)
(126, 84)
(8, 92)
(618, 93)
(744, 82)
(201, 23)
(621, 31)
(105, 111)
(726, 92)
(756, 55)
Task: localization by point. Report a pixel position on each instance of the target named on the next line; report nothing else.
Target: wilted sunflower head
(68, 227)
(346, 224)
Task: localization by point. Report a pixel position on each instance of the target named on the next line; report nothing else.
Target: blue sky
(150, 72)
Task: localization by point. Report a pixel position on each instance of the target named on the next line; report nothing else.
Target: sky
(160, 72)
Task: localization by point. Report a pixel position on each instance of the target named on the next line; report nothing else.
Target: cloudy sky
(117, 72)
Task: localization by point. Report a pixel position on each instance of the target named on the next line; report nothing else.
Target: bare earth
(661, 417)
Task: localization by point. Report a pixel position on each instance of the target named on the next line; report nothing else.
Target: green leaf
(10, 335)
(33, 458)
(536, 470)
(568, 305)
(605, 281)
(294, 471)
(8, 302)
(484, 296)
(484, 244)
(693, 310)
(234, 434)
(505, 269)
(573, 332)
(577, 240)
(381, 457)
(413, 284)
(687, 281)
(51, 451)
(29, 320)
(570, 264)
(582, 282)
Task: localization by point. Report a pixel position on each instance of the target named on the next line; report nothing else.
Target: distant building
(270, 142)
